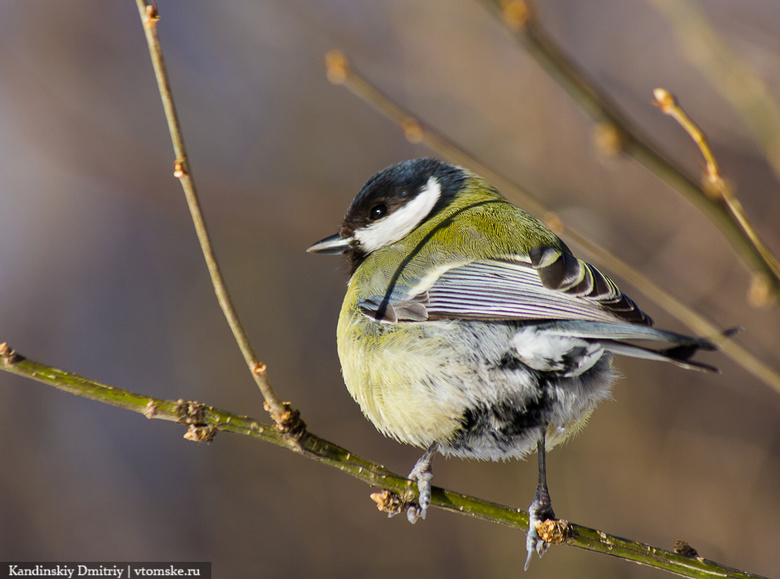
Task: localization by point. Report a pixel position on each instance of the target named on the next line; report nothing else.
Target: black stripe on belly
(501, 427)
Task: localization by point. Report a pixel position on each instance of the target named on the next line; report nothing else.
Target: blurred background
(101, 274)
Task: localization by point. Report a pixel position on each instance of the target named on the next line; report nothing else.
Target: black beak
(331, 245)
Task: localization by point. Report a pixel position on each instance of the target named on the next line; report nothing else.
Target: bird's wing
(547, 284)
(558, 294)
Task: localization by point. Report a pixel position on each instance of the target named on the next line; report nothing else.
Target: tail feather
(618, 337)
(679, 355)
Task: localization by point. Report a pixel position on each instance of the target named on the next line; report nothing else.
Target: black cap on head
(391, 204)
(397, 185)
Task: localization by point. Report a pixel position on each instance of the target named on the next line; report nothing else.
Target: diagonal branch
(204, 422)
(521, 20)
(716, 185)
(280, 412)
(339, 71)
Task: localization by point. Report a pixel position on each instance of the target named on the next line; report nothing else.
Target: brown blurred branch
(520, 18)
(733, 79)
(204, 422)
(280, 412)
(339, 71)
(716, 185)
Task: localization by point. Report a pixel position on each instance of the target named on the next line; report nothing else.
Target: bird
(469, 328)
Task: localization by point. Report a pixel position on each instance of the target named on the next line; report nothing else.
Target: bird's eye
(378, 211)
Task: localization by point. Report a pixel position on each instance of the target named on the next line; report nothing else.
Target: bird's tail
(618, 338)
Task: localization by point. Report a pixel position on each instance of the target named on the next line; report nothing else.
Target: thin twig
(731, 77)
(521, 20)
(204, 422)
(759, 294)
(340, 72)
(281, 412)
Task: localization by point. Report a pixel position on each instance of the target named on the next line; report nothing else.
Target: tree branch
(521, 20)
(716, 186)
(280, 412)
(733, 79)
(204, 422)
(339, 71)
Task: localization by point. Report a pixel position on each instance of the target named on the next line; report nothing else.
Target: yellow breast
(391, 371)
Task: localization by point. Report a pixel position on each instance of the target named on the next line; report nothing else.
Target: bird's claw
(533, 542)
(423, 476)
(539, 511)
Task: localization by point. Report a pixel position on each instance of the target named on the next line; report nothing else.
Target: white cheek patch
(402, 221)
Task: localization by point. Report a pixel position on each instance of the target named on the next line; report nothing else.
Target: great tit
(469, 328)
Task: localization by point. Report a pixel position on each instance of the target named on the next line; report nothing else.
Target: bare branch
(280, 412)
(204, 422)
(716, 186)
(340, 72)
(521, 20)
(733, 79)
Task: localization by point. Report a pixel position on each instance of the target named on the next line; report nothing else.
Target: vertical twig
(280, 412)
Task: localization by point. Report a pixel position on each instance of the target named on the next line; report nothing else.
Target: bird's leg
(422, 473)
(541, 507)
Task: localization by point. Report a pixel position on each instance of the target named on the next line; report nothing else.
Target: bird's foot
(422, 474)
(539, 511)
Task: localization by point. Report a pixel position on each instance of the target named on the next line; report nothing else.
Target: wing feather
(515, 289)
(556, 292)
